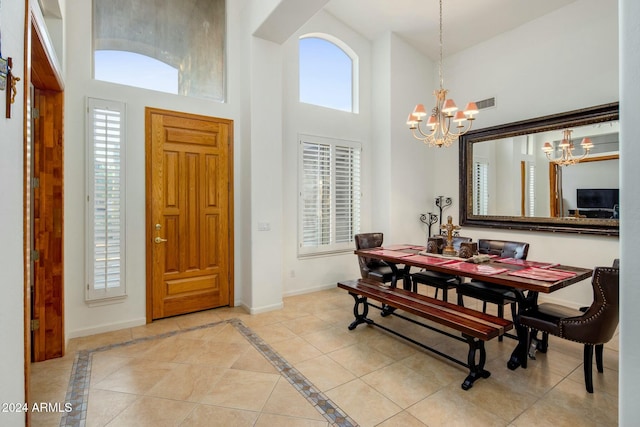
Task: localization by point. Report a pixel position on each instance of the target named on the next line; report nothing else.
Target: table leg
(519, 354)
(406, 283)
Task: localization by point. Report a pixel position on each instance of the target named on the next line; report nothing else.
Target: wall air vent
(486, 103)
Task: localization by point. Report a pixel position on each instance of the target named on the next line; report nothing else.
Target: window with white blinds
(480, 188)
(329, 206)
(531, 188)
(105, 222)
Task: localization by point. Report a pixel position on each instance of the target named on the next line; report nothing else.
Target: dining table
(527, 278)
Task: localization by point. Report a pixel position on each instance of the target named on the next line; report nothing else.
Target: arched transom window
(175, 46)
(328, 71)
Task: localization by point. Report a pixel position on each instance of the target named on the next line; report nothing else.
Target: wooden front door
(189, 213)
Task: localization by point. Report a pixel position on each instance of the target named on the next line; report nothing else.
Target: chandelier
(446, 123)
(566, 146)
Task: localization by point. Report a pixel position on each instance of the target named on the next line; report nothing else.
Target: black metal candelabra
(429, 219)
(442, 203)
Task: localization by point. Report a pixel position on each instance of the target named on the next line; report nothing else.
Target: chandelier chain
(440, 65)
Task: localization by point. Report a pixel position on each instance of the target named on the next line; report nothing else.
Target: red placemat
(476, 268)
(430, 260)
(391, 254)
(525, 263)
(400, 247)
(543, 274)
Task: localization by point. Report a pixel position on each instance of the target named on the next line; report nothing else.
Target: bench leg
(360, 311)
(476, 370)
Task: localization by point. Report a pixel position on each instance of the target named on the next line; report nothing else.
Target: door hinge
(35, 113)
(35, 255)
(35, 324)
(35, 182)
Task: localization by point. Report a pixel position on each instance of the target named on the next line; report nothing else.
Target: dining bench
(475, 327)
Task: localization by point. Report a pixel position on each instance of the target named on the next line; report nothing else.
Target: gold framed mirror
(506, 181)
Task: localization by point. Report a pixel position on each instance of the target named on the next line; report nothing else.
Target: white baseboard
(263, 309)
(309, 290)
(105, 328)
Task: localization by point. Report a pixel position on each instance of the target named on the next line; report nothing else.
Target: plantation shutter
(480, 188)
(105, 200)
(329, 195)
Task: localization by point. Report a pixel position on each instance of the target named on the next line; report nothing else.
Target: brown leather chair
(487, 292)
(439, 280)
(372, 268)
(593, 327)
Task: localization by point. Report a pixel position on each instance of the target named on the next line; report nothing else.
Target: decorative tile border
(78, 389)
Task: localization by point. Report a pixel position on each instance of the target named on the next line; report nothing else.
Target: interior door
(189, 213)
(47, 216)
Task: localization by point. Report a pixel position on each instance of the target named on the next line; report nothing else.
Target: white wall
(533, 71)
(11, 214)
(81, 319)
(629, 378)
(312, 273)
(266, 176)
(414, 183)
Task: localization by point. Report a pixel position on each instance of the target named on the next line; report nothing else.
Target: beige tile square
(286, 400)
(207, 416)
(104, 405)
(99, 340)
(401, 384)
(363, 403)
(325, 373)
(187, 382)
(137, 376)
(331, 339)
(270, 420)
(306, 325)
(253, 360)
(218, 354)
(403, 419)
(242, 390)
(153, 412)
(104, 364)
(569, 404)
(450, 407)
(296, 350)
(360, 359)
(273, 333)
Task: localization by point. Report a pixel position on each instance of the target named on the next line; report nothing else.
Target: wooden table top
(506, 272)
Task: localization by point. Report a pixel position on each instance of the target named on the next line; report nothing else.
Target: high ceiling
(465, 22)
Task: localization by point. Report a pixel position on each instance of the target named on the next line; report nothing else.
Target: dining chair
(439, 280)
(593, 327)
(487, 292)
(369, 267)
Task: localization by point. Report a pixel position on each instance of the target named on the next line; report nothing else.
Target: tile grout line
(78, 387)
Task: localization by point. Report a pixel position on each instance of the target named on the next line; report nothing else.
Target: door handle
(159, 239)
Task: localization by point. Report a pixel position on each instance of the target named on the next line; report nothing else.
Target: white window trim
(92, 293)
(333, 246)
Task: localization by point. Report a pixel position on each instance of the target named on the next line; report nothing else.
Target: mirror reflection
(507, 180)
(513, 177)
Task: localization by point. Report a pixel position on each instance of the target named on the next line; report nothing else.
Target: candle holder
(429, 219)
(443, 202)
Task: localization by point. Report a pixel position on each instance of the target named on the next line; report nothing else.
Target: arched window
(327, 72)
(133, 69)
(186, 35)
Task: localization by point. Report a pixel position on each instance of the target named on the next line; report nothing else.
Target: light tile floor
(300, 366)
